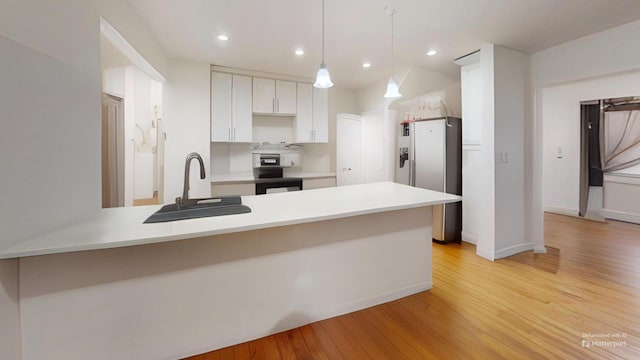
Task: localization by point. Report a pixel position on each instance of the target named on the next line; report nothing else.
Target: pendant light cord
(323, 31)
(392, 14)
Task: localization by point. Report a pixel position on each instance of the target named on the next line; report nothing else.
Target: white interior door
(349, 168)
(112, 151)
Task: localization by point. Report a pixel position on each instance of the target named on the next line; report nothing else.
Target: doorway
(591, 174)
(112, 151)
(128, 76)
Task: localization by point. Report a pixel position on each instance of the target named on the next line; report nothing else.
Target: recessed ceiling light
(366, 64)
(431, 52)
(223, 37)
(299, 52)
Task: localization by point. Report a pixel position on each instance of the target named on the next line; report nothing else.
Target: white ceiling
(264, 33)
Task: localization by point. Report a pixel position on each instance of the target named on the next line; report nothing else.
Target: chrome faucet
(184, 201)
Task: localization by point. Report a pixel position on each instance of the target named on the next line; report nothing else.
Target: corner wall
(187, 123)
(50, 140)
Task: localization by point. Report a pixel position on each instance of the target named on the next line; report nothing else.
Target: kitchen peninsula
(175, 289)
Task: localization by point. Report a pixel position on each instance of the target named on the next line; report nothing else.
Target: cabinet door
(220, 107)
(285, 97)
(320, 115)
(242, 118)
(264, 95)
(304, 116)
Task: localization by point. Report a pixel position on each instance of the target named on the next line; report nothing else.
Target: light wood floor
(525, 307)
(151, 201)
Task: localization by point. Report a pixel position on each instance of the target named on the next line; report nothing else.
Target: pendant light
(392, 87)
(323, 80)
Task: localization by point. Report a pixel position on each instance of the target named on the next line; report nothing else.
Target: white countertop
(118, 227)
(248, 176)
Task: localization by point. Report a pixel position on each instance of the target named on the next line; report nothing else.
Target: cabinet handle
(230, 134)
(234, 133)
(273, 103)
(278, 105)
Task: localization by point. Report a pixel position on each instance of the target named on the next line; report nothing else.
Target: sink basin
(219, 206)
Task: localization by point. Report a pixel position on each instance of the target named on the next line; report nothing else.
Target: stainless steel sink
(218, 206)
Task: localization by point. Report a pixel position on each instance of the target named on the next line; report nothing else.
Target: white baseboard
(487, 254)
(373, 301)
(539, 250)
(511, 250)
(561, 211)
(469, 237)
(621, 215)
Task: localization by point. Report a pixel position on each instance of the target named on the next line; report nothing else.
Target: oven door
(271, 186)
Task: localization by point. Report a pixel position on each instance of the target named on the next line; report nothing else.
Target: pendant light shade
(323, 80)
(392, 89)
(392, 86)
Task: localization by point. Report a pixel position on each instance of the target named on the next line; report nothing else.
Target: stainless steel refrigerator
(430, 157)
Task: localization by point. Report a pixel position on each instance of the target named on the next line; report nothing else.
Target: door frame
(340, 117)
(112, 152)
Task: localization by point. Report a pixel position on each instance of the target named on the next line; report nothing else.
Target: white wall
(50, 100)
(373, 139)
(602, 54)
(187, 123)
(495, 91)
(561, 132)
(511, 93)
(472, 190)
(487, 230)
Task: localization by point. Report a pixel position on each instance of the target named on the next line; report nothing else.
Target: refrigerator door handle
(412, 173)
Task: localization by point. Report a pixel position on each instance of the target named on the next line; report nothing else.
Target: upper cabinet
(236, 98)
(231, 113)
(274, 97)
(312, 121)
(320, 115)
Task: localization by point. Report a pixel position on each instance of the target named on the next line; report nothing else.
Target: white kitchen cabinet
(274, 97)
(312, 121)
(242, 189)
(320, 115)
(285, 97)
(304, 117)
(318, 183)
(231, 112)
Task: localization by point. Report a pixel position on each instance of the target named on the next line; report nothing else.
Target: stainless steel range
(269, 173)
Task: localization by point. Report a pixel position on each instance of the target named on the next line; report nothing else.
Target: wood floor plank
(349, 348)
(270, 347)
(314, 346)
(285, 346)
(228, 353)
(241, 351)
(529, 306)
(328, 345)
(299, 345)
(362, 336)
(256, 350)
(213, 355)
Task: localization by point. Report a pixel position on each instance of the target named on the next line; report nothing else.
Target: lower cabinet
(245, 188)
(317, 183)
(249, 187)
